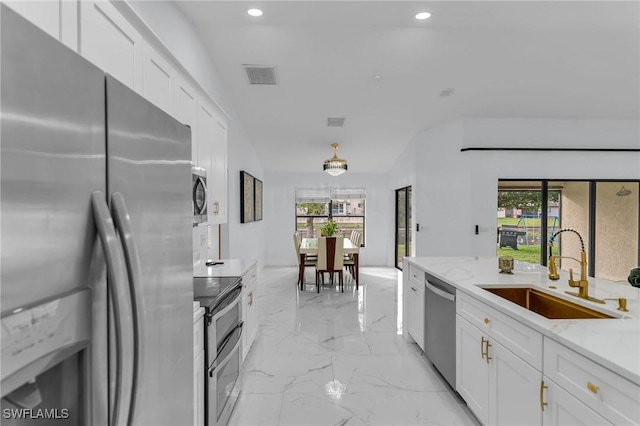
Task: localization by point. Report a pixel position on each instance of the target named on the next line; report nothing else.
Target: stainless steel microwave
(199, 194)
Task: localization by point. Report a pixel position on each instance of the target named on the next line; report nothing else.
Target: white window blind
(313, 195)
(347, 193)
(324, 195)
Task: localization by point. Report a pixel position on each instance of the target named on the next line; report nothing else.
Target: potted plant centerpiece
(329, 229)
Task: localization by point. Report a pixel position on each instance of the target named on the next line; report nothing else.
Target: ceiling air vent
(335, 121)
(261, 74)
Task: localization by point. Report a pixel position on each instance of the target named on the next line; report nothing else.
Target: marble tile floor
(339, 358)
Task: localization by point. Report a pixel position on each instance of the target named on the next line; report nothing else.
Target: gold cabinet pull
(484, 348)
(593, 388)
(414, 289)
(542, 388)
(251, 299)
(487, 320)
(487, 351)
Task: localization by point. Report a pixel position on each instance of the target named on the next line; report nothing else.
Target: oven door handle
(215, 316)
(225, 342)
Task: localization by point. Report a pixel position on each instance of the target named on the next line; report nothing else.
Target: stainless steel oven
(199, 194)
(223, 354)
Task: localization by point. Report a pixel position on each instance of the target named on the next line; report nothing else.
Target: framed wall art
(257, 211)
(247, 201)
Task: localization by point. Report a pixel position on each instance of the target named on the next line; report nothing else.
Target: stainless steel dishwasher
(440, 327)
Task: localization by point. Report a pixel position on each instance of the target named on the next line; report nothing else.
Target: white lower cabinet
(413, 303)
(601, 391)
(198, 367)
(509, 375)
(249, 308)
(499, 387)
(498, 365)
(472, 372)
(514, 389)
(416, 313)
(561, 408)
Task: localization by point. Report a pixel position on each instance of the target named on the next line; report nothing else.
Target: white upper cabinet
(58, 18)
(211, 148)
(111, 42)
(205, 126)
(157, 79)
(185, 110)
(110, 35)
(219, 172)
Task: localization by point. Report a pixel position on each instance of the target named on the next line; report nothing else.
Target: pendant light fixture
(335, 166)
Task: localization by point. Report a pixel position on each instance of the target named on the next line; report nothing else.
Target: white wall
(279, 191)
(176, 32)
(456, 190)
(401, 175)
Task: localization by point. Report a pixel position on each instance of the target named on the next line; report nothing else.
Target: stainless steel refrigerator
(96, 254)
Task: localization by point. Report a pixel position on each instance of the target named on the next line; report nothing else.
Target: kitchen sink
(545, 304)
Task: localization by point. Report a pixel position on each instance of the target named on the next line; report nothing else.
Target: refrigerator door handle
(134, 270)
(118, 291)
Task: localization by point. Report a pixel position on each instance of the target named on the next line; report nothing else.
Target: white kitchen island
(517, 367)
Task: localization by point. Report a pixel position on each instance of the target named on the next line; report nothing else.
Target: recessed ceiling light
(423, 15)
(254, 12)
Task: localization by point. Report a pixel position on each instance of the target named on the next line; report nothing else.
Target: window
(346, 207)
(606, 214)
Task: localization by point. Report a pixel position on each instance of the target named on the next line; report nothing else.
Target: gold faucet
(582, 284)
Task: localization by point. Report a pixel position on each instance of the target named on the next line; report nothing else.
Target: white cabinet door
(416, 313)
(249, 309)
(514, 389)
(185, 110)
(157, 81)
(43, 14)
(472, 369)
(57, 18)
(109, 41)
(198, 389)
(219, 166)
(205, 126)
(564, 409)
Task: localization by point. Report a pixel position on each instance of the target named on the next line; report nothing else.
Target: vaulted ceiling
(560, 59)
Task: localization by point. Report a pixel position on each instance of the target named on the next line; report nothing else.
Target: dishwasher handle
(439, 292)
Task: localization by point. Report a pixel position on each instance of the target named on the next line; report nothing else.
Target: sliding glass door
(606, 214)
(403, 225)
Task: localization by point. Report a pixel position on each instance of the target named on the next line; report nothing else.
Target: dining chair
(349, 261)
(298, 236)
(330, 259)
(308, 261)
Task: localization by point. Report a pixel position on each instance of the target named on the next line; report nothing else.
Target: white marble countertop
(230, 268)
(613, 343)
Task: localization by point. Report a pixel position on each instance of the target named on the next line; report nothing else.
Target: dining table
(309, 246)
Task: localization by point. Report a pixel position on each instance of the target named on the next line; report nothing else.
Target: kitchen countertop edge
(230, 268)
